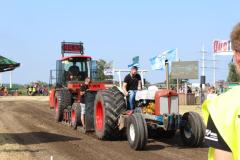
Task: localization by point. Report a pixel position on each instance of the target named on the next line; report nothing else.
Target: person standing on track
(132, 83)
(84, 87)
(222, 115)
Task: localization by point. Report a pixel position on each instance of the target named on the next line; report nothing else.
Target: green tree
(100, 69)
(101, 65)
(232, 73)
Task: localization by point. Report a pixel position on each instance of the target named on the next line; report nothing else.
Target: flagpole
(119, 79)
(203, 60)
(113, 72)
(10, 80)
(202, 85)
(214, 69)
(142, 79)
(167, 74)
(1, 82)
(177, 59)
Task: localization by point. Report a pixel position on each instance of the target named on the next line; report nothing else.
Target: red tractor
(106, 107)
(65, 96)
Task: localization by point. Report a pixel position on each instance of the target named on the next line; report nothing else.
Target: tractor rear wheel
(62, 100)
(192, 131)
(75, 115)
(108, 106)
(137, 133)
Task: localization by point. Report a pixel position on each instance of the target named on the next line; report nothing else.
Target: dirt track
(28, 131)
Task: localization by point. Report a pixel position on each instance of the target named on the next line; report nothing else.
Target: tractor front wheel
(192, 129)
(137, 133)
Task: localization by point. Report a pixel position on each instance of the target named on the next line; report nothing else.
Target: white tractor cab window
(76, 69)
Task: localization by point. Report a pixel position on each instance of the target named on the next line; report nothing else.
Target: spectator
(5, 91)
(30, 90)
(222, 116)
(189, 89)
(83, 90)
(211, 93)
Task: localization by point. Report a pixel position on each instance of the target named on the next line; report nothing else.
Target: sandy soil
(28, 131)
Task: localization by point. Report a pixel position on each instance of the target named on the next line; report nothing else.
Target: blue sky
(31, 32)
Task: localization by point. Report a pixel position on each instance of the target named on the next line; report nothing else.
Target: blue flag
(135, 62)
(171, 55)
(158, 62)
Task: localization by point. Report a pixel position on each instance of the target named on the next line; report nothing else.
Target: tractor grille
(164, 105)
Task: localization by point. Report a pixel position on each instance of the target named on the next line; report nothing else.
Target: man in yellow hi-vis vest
(222, 116)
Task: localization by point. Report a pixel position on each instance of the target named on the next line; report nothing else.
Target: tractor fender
(52, 98)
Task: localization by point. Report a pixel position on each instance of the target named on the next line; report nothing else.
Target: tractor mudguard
(52, 98)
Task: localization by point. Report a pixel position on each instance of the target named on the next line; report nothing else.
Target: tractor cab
(73, 69)
(74, 66)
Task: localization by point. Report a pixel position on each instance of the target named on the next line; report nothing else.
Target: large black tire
(203, 129)
(75, 115)
(108, 106)
(192, 130)
(137, 133)
(63, 100)
(89, 110)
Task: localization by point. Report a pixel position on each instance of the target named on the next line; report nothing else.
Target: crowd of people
(36, 89)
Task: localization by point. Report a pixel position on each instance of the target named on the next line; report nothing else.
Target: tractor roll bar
(127, 70)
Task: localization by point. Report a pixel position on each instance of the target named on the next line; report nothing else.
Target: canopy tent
(7, 64)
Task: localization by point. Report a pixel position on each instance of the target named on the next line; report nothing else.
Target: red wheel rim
(56, 106)
(99, 116)
(73, 116)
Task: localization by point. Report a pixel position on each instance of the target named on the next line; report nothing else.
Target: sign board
(222, 47)
(108, 69)
(70, 47)
(184, 70)
(108, 72)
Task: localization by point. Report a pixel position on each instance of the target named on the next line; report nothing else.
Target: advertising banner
(222, 47)
(184, 70)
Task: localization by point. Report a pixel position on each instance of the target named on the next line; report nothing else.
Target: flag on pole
(171, 55)
(158, 62)
(135, 62)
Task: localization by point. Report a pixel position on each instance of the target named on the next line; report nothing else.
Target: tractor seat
(148, 94)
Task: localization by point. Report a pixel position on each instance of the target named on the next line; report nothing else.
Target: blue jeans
(131, 98)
